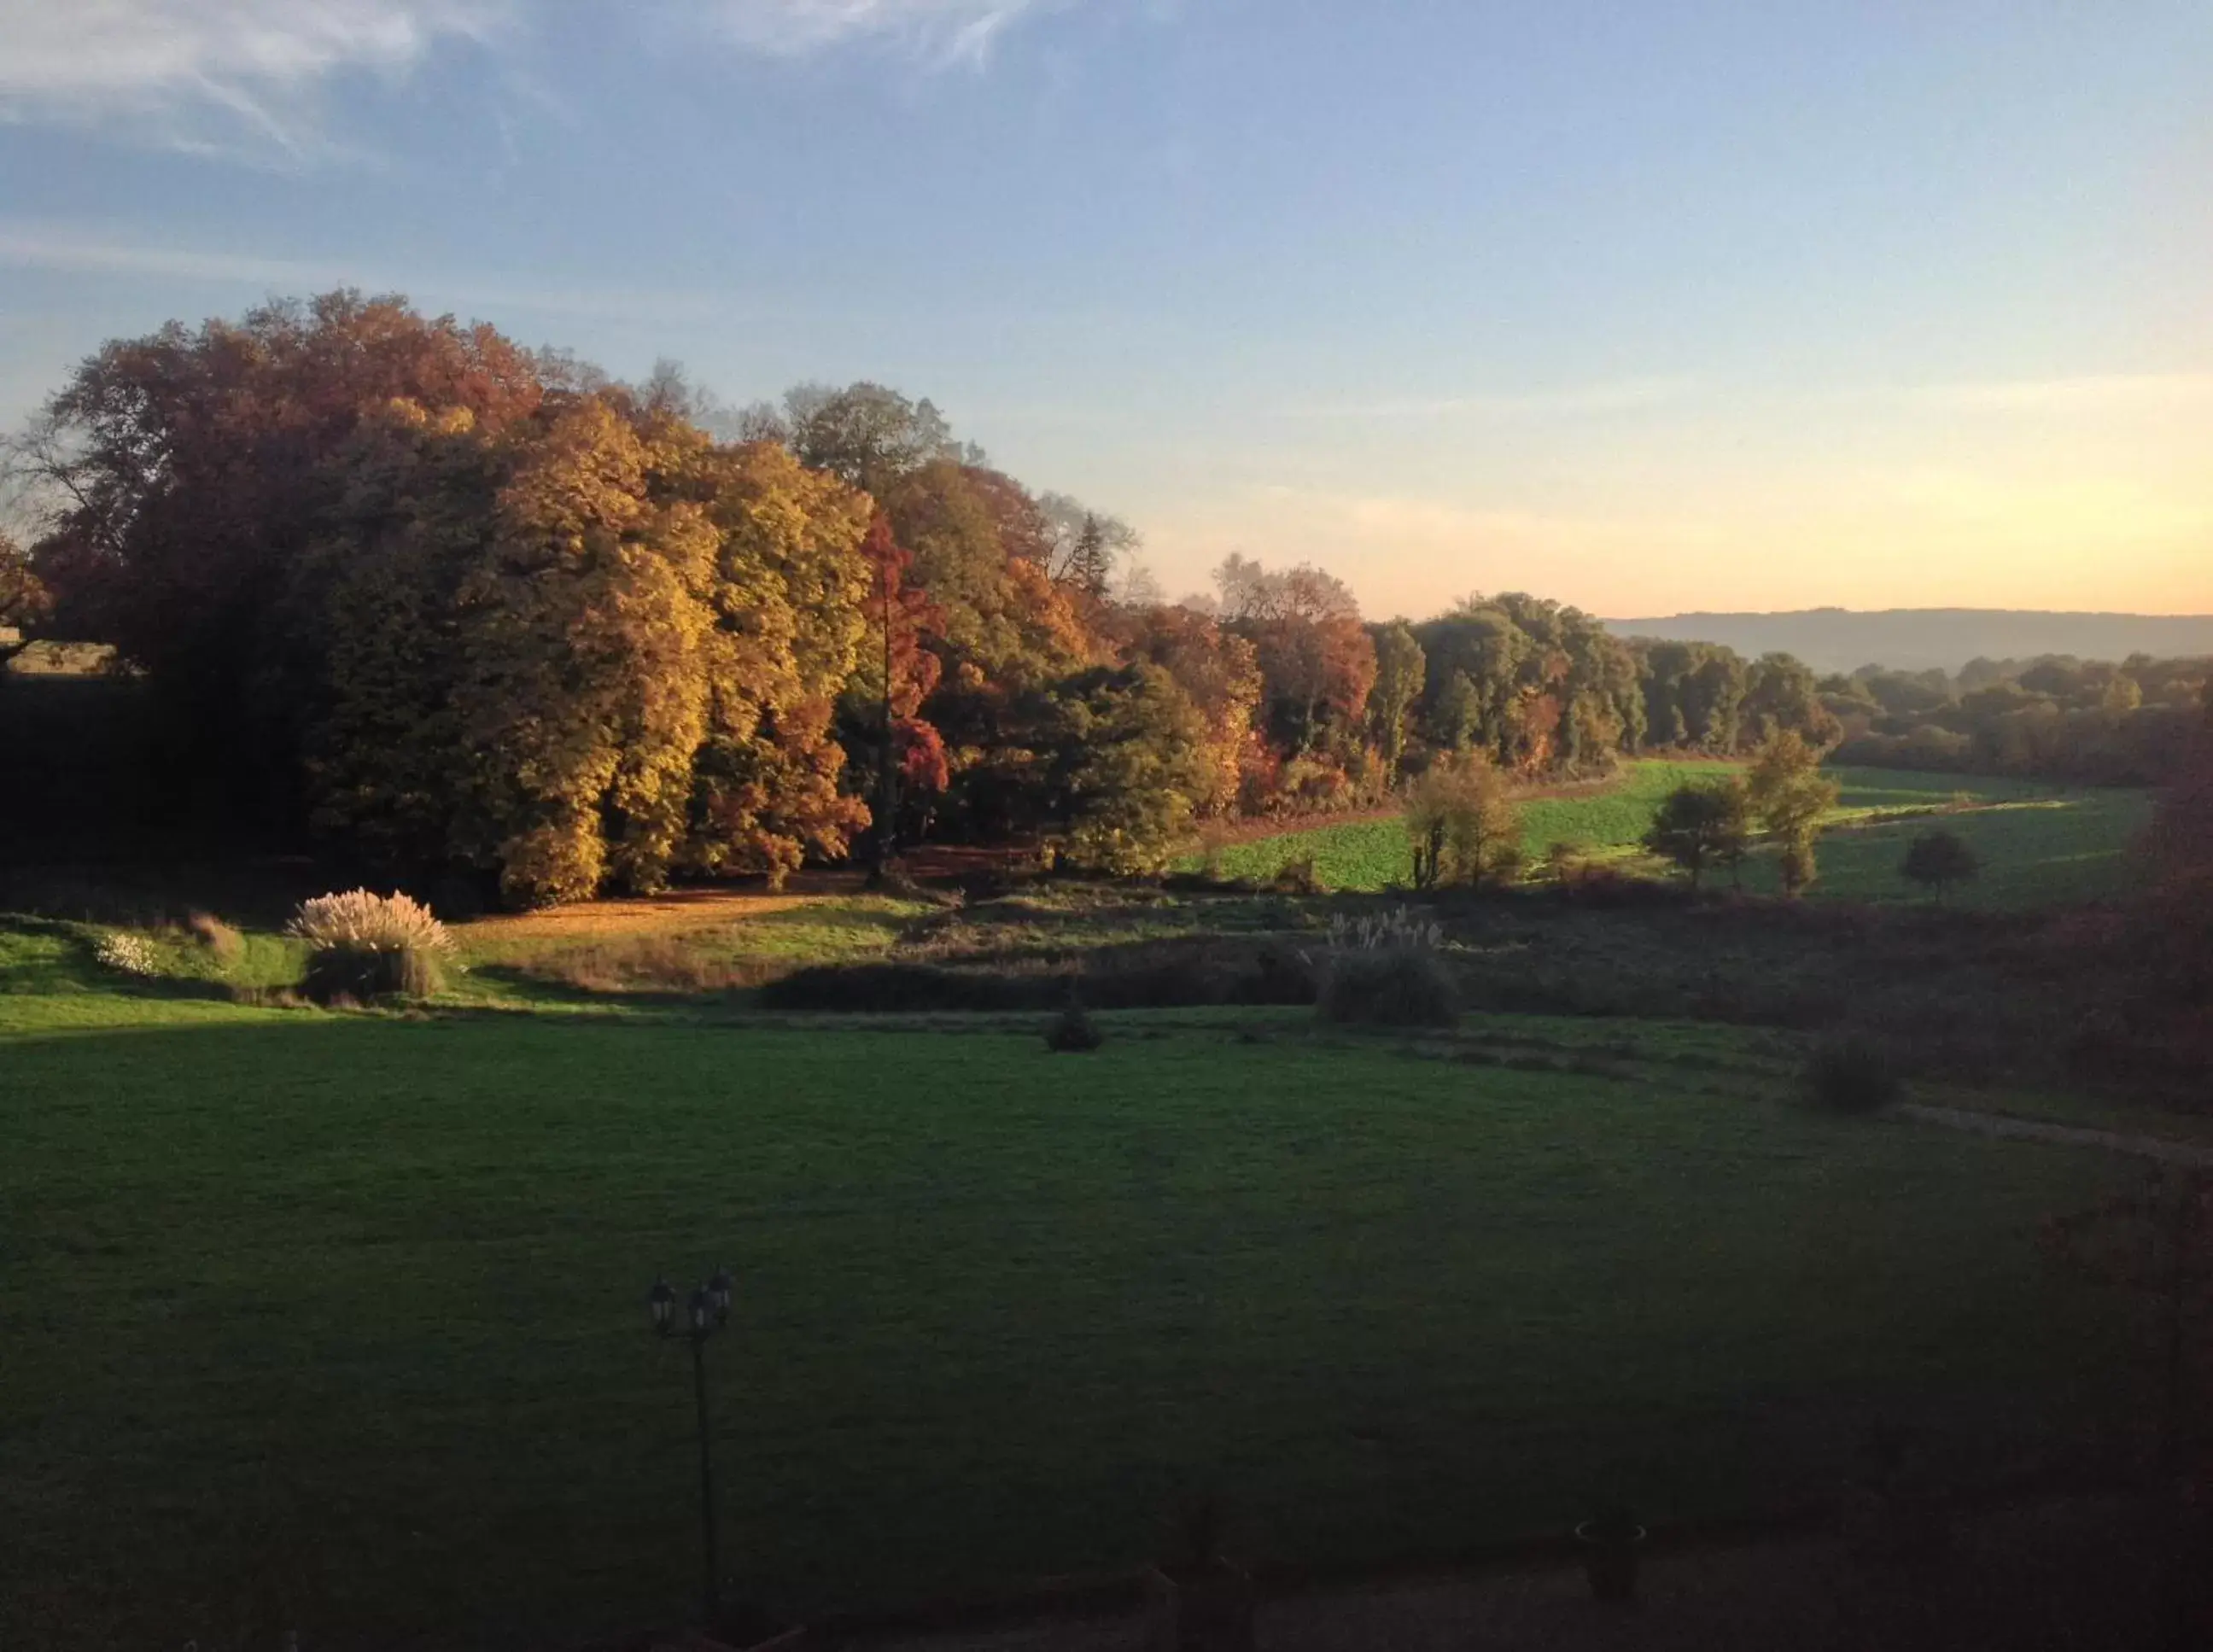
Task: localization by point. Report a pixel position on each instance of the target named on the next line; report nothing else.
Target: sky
(1648, 306)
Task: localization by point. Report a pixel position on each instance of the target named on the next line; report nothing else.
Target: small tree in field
(1460, 824)
(1798, 869)
(1937, 860)
(1701, 826)
(1787, 791)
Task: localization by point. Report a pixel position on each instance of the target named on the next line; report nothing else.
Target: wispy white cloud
(247, 78)
(2099, 393)
(78, 250)
(941, 30)
(1614, 396)
(224, 75)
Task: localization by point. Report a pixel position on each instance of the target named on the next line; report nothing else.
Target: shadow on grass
(520, 988)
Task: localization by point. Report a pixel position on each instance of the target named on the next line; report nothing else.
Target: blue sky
(1650, 306)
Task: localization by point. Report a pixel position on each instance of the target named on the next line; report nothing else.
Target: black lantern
(706, 1311)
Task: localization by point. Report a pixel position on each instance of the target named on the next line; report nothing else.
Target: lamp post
(706, 1312)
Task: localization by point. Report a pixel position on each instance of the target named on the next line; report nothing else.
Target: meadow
(336, 1320)
(2040, 845)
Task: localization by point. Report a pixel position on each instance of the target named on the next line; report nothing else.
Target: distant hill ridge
(1916, 639)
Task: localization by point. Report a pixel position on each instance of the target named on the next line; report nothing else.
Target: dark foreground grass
(337, 1322)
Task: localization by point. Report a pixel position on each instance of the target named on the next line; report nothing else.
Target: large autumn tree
(460, 609)
(1219, 673)
(1317, 660)
(185, 475)
(1535, 684)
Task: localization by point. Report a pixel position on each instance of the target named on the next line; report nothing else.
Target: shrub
(1384, 931)
(1460, 824)
(1938, 859)
(369, 947)
(127, 954)
(339, 976)
(1701, 825)
(647, 963)
(1297, 877)
(1383, 970)
(220, 941)
(1392, 986)
(1853, 1074)
(1072, 1031)
(1151, 975)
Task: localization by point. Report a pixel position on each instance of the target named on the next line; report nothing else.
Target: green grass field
(1371, 855)
(2037, 848)
(336, 1321)
(2038, 845)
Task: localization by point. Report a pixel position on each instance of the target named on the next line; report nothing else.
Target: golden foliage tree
(1461, 823)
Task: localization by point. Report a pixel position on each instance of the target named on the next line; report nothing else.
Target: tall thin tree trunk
(887, 766)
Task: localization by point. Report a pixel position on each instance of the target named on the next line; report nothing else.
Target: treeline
(454, 604)
(2084, 721)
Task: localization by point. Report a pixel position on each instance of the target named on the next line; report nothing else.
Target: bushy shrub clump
(127, 954)
(369, 945)
(1073, 1032)
(220, 941)
(1403, 986)
(1853, 1074)
(1384, 970)
(1163, 975)
(648, 963)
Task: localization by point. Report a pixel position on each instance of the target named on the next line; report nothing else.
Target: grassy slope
(2038, 845)
(1373, 854)
(2038, 848)
(336, 1320)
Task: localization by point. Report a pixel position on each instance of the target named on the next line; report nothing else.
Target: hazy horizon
(1706, 312)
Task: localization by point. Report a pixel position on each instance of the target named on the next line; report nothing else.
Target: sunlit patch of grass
(1372, 855)
(2039, 844)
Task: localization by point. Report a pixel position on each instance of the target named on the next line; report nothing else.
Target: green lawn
(1370, 855)
(2037, 850)
(336, 1321)
(2040, 845)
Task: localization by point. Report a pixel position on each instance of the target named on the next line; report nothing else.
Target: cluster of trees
(461, 604)
(2181, 843)
(457, 604)
(1714, 824)
(2085, 722)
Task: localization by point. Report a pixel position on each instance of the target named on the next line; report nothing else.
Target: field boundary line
(2165, 1149)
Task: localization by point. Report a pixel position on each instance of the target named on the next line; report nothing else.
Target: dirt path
(2160, 1148)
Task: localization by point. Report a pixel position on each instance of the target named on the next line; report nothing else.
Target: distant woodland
(1945, 639)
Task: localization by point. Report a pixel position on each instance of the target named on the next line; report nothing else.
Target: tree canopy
(1701, 826)
(459, 606)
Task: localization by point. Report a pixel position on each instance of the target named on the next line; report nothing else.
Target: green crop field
(2039, 845)
(335, 1321)
(1370, 855)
